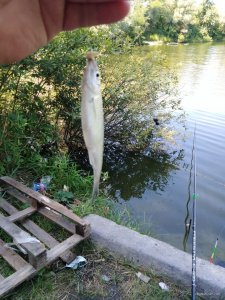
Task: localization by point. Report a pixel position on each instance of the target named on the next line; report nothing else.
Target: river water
(158, 196)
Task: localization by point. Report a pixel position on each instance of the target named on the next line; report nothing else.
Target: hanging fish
(92, 118)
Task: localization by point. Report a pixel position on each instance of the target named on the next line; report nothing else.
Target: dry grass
(87, 283)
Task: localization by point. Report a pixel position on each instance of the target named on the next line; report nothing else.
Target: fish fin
(91, 159)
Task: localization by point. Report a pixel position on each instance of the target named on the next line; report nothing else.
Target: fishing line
(193, 290)
(193, 220)
(186, 223)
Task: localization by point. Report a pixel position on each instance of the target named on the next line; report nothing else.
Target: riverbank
(114, 261)
(171, 43)
(110, 274)
(104, 277)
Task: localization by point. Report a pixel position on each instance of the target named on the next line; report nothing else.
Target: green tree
(183, 17)
(181, 20)
(138, 21)
(134, 25)
(209, 20)
(40, 97)
(160, 18)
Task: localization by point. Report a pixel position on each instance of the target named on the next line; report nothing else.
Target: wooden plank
(18, 195)
(83, 228)
(48, 240)
(13, 259)
(1, 278)
(37, 231)
(16, 278)
(20, 215)
(36, 250)
(50, 214)
(19, 235)
(7, 206)
(65, 245)
(58, 219)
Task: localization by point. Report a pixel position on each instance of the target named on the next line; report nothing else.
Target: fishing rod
(187, 224)
(193, 290)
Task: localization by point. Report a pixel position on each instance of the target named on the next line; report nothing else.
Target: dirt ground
(103, 278)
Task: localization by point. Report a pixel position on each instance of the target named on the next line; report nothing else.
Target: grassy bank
(88, 283)
(55, 282)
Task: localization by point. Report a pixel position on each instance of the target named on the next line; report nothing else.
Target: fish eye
(97, 74)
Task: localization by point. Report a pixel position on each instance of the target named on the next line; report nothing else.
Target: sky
(221, 6)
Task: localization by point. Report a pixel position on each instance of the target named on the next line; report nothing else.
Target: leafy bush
(205, 35)
(176, 20)
(40, 100)
(181, 38)
(154, 37)
(11, 152)
(65, 173)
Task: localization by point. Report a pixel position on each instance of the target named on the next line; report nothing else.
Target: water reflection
(161, 188)
(137, 172)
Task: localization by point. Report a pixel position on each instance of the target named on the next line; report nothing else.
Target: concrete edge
(150, 253)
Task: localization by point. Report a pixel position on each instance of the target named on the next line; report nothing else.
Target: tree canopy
(40, 97)
(176, 20)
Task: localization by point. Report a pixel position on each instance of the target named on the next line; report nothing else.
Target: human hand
(26, 25)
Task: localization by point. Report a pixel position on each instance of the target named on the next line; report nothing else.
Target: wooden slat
(38, 256)
(7, 206)
(36, 250)
(13, 259)
(50, 214)
(18, 195)
(82, 227)
(16, 278)
(1, 278)
(48, 240)
(58, 219)
(20, 215)
(37, 231)
(65, 245)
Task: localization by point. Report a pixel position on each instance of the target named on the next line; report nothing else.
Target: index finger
(82, 13)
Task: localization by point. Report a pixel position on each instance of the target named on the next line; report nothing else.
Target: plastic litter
(15, 247)
(36, 187)
(65, 188)
(78, 263)
(106, 278)
(143, 277)
(46, 180)
(19, 239)
(163, 286)
(42, 186)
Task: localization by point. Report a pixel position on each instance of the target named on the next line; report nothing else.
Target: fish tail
(95, 191)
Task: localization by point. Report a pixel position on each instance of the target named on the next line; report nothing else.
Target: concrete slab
(153, 254)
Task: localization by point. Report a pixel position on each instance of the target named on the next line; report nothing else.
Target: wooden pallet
(41, 248)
